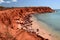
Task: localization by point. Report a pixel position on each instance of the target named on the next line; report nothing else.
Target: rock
(10, 18)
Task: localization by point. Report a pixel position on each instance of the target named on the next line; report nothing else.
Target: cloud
(14, 0)
(8, 2)
(3, 1)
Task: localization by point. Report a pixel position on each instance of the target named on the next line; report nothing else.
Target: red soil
(8, 24)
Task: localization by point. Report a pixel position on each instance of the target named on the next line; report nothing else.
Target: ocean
(53, 22)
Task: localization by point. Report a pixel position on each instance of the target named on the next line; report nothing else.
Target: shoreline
(45, 30)
(42, 32)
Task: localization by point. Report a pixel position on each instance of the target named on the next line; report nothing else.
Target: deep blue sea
(51, 19)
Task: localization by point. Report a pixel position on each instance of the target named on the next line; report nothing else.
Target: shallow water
(52, 20)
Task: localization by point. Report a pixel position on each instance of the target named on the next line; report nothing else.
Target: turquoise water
(51, 19)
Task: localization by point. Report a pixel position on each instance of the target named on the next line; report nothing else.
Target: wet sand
(44, 30)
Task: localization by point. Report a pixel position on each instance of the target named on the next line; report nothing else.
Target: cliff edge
(15, 23)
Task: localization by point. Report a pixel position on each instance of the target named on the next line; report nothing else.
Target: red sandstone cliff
(9, 21)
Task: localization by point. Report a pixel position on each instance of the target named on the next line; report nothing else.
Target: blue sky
(55, 4)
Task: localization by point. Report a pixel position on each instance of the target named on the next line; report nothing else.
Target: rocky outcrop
(30, 9)
(12, 17)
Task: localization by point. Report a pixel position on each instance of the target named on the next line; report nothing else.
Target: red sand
(10, 20)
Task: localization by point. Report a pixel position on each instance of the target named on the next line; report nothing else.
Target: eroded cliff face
(11, 18)
(30, 9)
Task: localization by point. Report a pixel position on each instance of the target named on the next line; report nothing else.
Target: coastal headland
(16, 23)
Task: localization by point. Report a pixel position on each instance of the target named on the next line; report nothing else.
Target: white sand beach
(44, 30)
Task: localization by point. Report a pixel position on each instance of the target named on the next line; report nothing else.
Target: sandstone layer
(15, 23)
